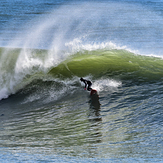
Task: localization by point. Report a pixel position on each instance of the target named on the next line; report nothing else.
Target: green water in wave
(114, 63)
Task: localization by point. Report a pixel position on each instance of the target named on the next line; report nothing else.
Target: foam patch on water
(106, 85)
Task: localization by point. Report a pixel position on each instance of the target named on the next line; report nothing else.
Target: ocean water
(45, 113)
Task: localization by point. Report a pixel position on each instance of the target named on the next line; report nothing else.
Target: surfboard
(93, 91)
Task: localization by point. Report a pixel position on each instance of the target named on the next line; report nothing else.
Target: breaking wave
(26, 69)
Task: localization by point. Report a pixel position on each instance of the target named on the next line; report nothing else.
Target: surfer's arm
(85, 84)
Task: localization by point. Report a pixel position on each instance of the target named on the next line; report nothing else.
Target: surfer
(86, 82)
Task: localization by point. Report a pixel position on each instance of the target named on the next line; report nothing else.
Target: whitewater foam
(79, 45)
(106, 85)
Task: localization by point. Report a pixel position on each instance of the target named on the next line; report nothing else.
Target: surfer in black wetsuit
(86, 82)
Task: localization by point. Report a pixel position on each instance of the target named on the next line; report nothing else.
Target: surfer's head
(81, 79)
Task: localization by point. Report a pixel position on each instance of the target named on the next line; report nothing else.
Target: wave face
(120, 64)
(95, 40)
(27, 69)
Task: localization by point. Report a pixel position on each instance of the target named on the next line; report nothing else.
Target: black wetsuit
(87, 82)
